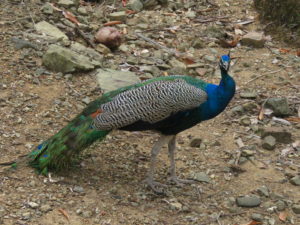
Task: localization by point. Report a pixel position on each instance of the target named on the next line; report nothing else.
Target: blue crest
(225, 58)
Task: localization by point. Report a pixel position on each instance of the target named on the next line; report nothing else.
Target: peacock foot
(157, 187)
(179, 182)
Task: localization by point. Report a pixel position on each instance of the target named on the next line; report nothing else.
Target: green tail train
(57, 152)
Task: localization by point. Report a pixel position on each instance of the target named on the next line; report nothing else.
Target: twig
(211, 19)
(158, 45)
(87, 39)
(264, 74)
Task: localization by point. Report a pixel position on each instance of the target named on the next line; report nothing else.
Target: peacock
(167, 105)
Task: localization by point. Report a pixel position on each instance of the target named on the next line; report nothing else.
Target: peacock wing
(151, 103)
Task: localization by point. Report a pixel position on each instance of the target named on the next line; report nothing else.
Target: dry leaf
(229, 44)
(201, 71)
(253, 222)
(64, 213)
(71, 17)
(293, 119)
(187, 60)
(261, 113)
(55, 8)
(298, 53)
(282, 216)
(284, 50)
(110, 23)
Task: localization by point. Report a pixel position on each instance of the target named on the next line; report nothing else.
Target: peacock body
(167, 105)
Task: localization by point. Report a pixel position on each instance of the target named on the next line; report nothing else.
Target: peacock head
(225, 62)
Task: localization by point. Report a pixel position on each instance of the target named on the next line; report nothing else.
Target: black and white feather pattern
(150, 103)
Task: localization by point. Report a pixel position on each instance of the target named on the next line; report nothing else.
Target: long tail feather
(58, 151)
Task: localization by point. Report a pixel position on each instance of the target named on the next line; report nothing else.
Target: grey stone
(257, 217)
(245, 120)
(86, 100)
(263, 191)
(64, 60)
(254, 39)
(103, 49)
(269, 143)
(295, 180)
(279, 106)
(120, 16)
(49, 29)
(196, 142)
(198, 43)
(248, 152)
(109, 79)
(280, 134)
(280, 205)
(82, 10)
(175, 205)
(210, 58)
(78, 189)
(237, 110)
(66, 3)
(177, 64)
(296, 208)
(87, 214)
(248, 201)
(190, 14)
(201, 177)
(249, 94)
(91, 53)
(33, 205)
(47, 8)
(150, 4)
(45, 208)
(2, 211)
(135, 5)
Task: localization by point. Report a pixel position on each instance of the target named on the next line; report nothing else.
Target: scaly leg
(173, 177)
(156, 186)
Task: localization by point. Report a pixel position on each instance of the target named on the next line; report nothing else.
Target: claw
(157, 187)
(179, 182)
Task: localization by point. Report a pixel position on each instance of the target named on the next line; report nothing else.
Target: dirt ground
(107, 187)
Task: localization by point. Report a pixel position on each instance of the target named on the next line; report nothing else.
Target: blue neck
(218, 97)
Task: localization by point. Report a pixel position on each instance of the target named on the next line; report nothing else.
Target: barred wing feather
(151, 103)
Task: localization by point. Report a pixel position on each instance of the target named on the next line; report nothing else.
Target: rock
(201, 177)
(64, 60)
(91, 53)
(250, 107)
(196, 142)
(109, 79)
(249, 94)
(49, 29)
(82, 10)
(78, 189)
(47, 8)
(248, 152)
(210, 58)
(120, 16)
(87, 214)
(295, 180)
(254, 39)
(150, 4)
(103, 49)
(135, 5)
(66, 3)
(175, 205)
(279, 106)
(280, 205)
(86, 100)
(245, 120)
(248, 201)
(268, 143)
(177, 64)
(33, 205)
(237, 110)
(257, 217)
(2, 211)
(263, 191)
(280, 134)
(45, 208)
(198, 43)
(296, 208)
(190, 14)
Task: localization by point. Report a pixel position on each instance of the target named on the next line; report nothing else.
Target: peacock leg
(173, 178)
(156, 186)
